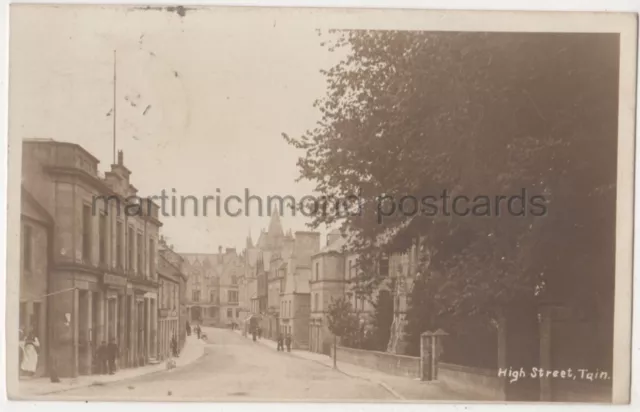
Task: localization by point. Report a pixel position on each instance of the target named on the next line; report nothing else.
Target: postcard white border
(403, 19)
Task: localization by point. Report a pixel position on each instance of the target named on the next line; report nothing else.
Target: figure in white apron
(30, 355)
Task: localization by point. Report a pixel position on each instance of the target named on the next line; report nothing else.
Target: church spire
(249, 244)
(275, 227)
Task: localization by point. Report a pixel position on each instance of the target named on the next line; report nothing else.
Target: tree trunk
(335, 352)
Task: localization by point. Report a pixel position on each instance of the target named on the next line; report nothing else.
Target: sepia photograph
(252, 204)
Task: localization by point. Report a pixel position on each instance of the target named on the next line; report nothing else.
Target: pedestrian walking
(288, 342)
(280, 342)
(112, 354)
(188, 329)
(198, 331)
(254, 332)
(102, 358)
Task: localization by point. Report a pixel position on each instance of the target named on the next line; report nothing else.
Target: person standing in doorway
(198, 331)
(112, 354)
(30, 358)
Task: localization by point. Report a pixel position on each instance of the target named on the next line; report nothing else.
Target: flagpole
(114, 107)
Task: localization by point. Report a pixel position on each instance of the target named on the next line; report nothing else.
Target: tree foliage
(480, 115)
(340, 319)
(382, 321)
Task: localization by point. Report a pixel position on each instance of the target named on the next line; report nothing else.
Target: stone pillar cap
(438, 332)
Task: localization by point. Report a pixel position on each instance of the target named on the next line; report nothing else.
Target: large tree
(477, 114)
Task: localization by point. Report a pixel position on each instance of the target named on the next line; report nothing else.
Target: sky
(201, 101)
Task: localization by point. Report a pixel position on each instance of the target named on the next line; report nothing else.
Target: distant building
(264, 275)
(295, 297)
(212, 290)
(103, 259)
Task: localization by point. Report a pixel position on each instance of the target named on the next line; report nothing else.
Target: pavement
(403, 389)
(30, 388)
(234, 368)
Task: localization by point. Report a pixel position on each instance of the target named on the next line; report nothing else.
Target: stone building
(264, 274)
(212, 288)
(334, 275)
(103, 281)
(295, 297)
(171, 316)
(230, 271)
(248, 283)
(327, 282)
(35, 251)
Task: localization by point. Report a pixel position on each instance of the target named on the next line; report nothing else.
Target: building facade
(327, 283)
(35, 251)
(295, 298)
(102, 277)
(264, 275)
(212, 287)
(171, 320)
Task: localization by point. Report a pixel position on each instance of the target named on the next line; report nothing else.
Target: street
(235, 368)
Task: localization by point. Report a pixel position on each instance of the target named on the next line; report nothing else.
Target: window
(212, 296)
(317, 270)
(152, 259)
(140, 249)
(119, 242)
(232, 296)
(102, 228)
(175, 296)
(384, 266)
(131, 245)
(86, 233)
(234, 280)
(195, 296)
(229, 313)
(352, 269)
(316, 303)
(27, 240)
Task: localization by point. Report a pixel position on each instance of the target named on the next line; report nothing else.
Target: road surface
(235, 368)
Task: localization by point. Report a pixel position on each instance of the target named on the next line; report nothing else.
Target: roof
(337, 246)
(38, 140)
(275, 227)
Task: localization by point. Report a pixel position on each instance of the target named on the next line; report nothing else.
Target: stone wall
(481, 384)
(398, 365)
